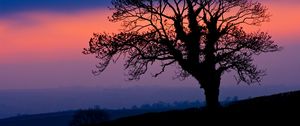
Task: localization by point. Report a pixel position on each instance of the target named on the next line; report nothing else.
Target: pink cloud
(50, 34)
(43, 49)
(54, 36)
(284, 21)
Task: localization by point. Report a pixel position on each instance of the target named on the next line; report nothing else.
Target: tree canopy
(205, 38)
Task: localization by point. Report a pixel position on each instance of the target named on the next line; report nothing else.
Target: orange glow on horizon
(284, 20)
(51, 35)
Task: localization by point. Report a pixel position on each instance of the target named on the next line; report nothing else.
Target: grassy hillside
(283, 108)
(47, 119)
(64, 118)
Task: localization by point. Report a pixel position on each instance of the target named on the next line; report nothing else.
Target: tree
(205, 38)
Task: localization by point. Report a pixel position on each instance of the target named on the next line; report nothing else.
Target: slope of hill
(61, 118)
(64, 118)
(283, 108)
(47, 119)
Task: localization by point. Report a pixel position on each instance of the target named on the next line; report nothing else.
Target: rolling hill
(283, 108)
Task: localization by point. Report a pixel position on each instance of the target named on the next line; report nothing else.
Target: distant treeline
(180, 104)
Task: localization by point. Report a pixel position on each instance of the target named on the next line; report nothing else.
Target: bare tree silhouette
(205, 38)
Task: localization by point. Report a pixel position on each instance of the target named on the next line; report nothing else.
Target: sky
(41, 43)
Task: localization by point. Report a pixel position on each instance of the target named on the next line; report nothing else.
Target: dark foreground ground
(279, 109)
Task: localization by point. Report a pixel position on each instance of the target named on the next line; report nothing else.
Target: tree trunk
(212, 97)
(209, 79)
(211, 91)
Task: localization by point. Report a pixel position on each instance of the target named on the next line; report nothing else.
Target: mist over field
(20, 102)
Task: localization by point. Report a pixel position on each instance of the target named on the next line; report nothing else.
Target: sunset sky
(41, 43)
